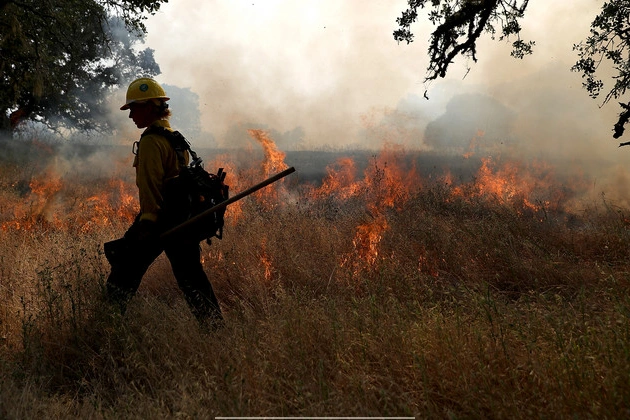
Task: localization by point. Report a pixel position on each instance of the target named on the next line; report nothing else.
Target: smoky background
(326, 79)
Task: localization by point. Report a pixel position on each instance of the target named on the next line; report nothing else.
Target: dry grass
(473, 308)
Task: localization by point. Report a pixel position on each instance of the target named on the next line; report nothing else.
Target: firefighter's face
(142, 113)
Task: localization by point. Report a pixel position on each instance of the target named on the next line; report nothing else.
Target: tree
(469, 121)
(460, 23)
(58, 58)
(186, 114)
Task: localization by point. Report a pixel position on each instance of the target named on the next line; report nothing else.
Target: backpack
(194, 191)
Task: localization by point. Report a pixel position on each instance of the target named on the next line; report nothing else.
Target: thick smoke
(320, 66)
(333, 71)
(325, 74)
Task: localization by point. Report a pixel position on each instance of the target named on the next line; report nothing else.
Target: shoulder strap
(178, 141)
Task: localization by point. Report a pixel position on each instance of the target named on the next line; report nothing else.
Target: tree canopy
(58, 58)
(460, 23)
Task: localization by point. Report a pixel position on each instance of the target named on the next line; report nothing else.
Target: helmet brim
(128, 104)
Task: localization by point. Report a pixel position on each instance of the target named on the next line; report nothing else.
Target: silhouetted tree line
(59, 58)
(460, 23)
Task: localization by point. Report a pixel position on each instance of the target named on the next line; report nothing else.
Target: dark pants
(185, 258)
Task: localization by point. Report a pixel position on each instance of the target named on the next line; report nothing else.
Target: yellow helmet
(144, 89)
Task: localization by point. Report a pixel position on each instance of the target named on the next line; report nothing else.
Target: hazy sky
(332, 69)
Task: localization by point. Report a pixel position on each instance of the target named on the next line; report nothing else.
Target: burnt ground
(311, 166)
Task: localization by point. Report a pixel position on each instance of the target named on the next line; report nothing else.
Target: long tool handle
(198, 218)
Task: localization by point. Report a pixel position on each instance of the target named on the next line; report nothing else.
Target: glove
(142, 231)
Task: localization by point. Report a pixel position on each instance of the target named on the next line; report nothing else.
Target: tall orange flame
(273, 162)
(274, 158)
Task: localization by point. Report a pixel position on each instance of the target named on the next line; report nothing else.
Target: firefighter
(156, 163)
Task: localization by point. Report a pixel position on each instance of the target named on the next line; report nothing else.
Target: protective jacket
(156, 163)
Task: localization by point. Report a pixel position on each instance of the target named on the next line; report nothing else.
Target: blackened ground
(311, 166)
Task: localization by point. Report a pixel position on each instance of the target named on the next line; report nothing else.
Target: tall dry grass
(472, 308)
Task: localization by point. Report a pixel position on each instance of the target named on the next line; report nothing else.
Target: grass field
(375, 293)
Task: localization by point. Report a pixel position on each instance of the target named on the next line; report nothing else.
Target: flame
(339, 181)
(46, 187)
(367, 239)
(265, 261)
(387, 183)
(524, 186)
(235, 210)
(117, 202)
(38, 207)
(391, 179)
(273, 162)
(274, 158)
(63, 202)
(56, 203)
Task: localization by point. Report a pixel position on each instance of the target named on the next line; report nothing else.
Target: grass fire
(387, 285)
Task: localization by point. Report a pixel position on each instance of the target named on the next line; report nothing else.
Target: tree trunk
(5, 123)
